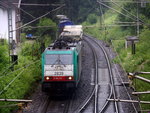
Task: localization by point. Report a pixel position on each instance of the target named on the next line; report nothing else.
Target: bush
(92, 19)
(21, 79)
(4, 56)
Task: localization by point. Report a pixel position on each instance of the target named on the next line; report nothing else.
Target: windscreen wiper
(58, 61)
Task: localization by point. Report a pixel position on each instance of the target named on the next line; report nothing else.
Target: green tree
(49, 27)
(3, 56)
(92, 19)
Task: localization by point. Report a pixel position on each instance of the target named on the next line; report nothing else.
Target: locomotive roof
(50, 48)
(55, 51)
(72, 47)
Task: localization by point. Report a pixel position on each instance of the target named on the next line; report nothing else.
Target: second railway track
(104, 84)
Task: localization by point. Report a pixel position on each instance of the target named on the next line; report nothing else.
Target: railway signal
(131, 40)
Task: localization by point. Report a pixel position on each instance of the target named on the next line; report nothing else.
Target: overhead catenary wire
(11, 82)
(127, 11)
(103, 19)
(123, 25)
(7, 68)
(34, 27)
(17, 76)
(123, 1)
(102, 15)
(116, 10)
(38, 18)
(33, 4)
(27, 13)
(4, 4)
(26, 66)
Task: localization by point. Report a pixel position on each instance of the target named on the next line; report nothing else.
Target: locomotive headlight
(70, 78)
(47, 78)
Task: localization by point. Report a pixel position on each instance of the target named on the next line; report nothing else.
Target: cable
(127, 11)
(115, 10)
(102, 14)
(123, 25)
(8, 68)
(126, 1)
(30, 4)
(34, 27)
(4, 4)
(27, 13)
(103, 19)
(26, 66)
(12, 81)
(38, 18)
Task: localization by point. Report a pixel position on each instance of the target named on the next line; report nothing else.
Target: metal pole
(133, 47)
(139, 77)
(138, 93)
(129, 101)
(15, 100)
(138, 28)
(10, 32)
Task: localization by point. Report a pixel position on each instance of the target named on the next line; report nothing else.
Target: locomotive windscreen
(55, 59)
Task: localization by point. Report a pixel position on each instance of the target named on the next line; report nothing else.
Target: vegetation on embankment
(17, 81)
(115, 35)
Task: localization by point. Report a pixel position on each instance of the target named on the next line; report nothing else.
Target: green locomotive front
(61, 69)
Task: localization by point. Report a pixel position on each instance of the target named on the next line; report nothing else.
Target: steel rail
(48, 102)
(111, 77)
(110, 95)
(96, 78)
(68, 103)
(86, 102)
(95, 89)
(44, 105)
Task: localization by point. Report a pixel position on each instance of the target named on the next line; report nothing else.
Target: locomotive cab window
(65, 59)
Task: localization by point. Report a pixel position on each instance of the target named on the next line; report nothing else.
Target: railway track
(55, 105)
(107, 87)
(94, 91)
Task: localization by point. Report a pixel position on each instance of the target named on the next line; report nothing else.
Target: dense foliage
(17, 82)
(3, 55)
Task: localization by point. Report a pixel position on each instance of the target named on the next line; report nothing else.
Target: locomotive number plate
(58, 73)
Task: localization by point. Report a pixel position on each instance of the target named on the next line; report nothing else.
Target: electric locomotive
(61, 67)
